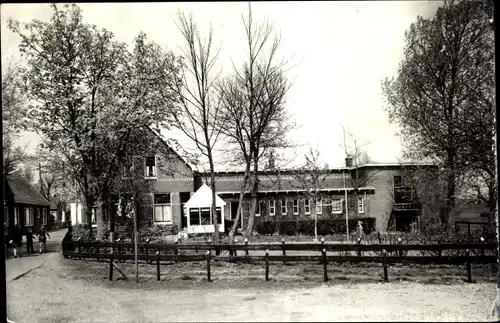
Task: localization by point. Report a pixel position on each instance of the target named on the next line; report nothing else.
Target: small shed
(199, 211)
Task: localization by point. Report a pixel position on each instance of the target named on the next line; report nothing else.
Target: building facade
(23, 205)
(167, 183)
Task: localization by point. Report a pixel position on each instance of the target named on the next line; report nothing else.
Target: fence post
(468, 231)
(79, 248)
(147, 251)
(283, 247)
(176, 252)
(359, 242)
(111, 266)
(325, 263)
(386, 276)
(267, 265)
(209, 242)
(158, 265)
(208, 266)
(400, 252)
(482, 249)
(246, 247)
(469, 272)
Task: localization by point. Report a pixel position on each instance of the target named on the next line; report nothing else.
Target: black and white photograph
(250, 161)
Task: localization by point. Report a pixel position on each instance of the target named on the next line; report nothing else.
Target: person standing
(42, 238)
(29, 241)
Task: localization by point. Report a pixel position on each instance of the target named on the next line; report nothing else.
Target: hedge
(306, 227)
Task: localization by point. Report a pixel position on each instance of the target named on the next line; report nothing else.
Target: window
(295, 207)
(361, 205)
(283, 207)
(162, 208)
(205, 216)
(6, 216)
(128, 168)
(16, 216)
(307, 206)
(44, 217)
(194, 216)
(259, 209)
(94, 215)
(151, 166)
(29, 217)
(272, 208)
(319, 206)
(336, 206)
(202, 216)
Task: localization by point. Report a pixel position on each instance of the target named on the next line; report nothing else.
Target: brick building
(385, 193)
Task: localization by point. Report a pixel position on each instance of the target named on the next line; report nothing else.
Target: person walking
(42, 239)
(16, 239)
(29, 241)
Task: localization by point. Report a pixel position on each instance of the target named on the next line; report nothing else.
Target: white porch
(198, 211)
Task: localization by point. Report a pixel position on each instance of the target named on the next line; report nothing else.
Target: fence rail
(171, 252)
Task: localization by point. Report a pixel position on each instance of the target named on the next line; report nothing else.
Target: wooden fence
(385, 254)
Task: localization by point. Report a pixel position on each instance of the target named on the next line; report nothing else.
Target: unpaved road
(49, 294)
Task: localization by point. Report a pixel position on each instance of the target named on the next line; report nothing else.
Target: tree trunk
(253, 193)
(450, 199)
(240, 204)
(214, 206)
(136, 236)
(89, 202)
(99, 217)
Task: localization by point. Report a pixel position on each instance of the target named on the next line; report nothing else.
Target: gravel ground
(52, 294)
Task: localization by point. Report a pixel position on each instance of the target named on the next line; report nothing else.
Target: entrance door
(185, 196)
(234, 210)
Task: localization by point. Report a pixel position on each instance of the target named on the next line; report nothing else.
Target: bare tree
(200, 103)
(311, 178)
(357, 156)
(253, 101)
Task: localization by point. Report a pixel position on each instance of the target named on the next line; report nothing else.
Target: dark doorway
(405, 220)
(185, 196)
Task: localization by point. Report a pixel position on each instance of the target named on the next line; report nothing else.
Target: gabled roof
(203, 198)
(23, 192)
(170, 147)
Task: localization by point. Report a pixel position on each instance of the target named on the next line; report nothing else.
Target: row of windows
(29, 216)
(149, 167)
(163, 209)
(336, 204)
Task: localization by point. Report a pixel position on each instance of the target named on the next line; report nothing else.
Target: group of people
(15, 239)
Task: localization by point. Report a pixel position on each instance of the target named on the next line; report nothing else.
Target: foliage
(443, 97)
(88, 93)
(306, 227)
(157, 233)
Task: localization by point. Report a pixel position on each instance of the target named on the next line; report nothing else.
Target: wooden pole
(267, 265)
(246, 247)
(208, 266)
(176, 251)
(469, 271)
(111, 266)
(158, 265)
(136, 237)
(359, 242)
(284, 251)
(325, 264)
(386, 275)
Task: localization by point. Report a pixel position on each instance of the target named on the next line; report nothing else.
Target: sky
(340, 52)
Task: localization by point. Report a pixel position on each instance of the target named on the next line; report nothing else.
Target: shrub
(80, 231)
(266, 228)
(157, 232)
(326, 226)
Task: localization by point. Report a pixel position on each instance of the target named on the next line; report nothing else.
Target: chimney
(348, 161)
(271, 161)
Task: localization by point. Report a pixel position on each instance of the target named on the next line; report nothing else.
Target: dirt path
(68, 300)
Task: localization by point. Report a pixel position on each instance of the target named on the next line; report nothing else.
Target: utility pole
(346, 209)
